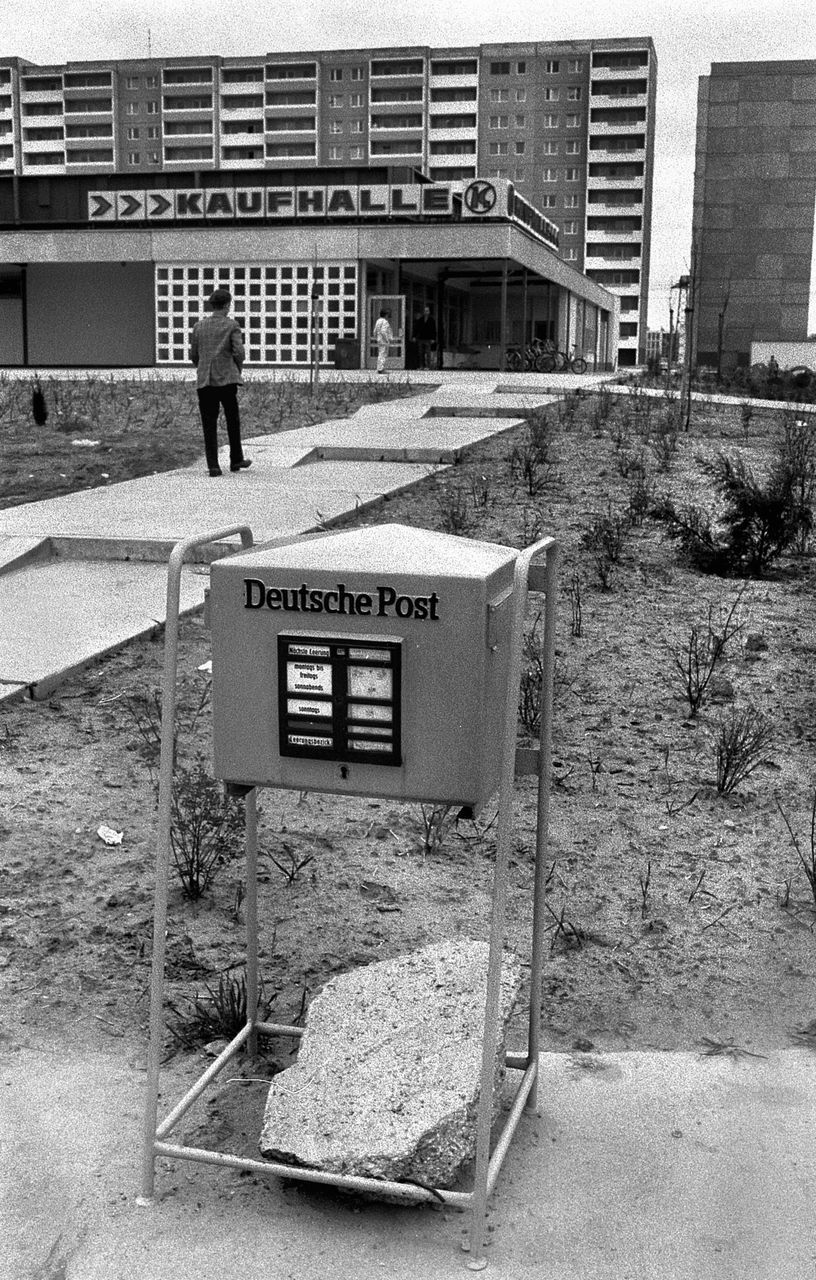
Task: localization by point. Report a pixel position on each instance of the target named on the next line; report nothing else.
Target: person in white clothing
(383, 336)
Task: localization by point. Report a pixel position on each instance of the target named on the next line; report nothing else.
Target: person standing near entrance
(425, 338)
(217, 351)
(383, 336)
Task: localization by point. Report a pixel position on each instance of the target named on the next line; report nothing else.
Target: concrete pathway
(82, 574)
(639, 1166)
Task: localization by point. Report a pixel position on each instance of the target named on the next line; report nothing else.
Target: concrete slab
(177, 504)
(58, 616)
(16, 551)
(642, 1166)
(9, 691)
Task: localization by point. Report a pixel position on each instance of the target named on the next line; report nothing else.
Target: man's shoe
(216, 471)
(242, 465)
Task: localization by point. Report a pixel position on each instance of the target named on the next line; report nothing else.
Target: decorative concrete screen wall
(272, 304)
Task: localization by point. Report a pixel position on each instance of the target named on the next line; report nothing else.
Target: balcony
(234, 87)
(611, 264)
(606, 182)
(454, 82)
(39, 95)
(613, 236)
(602, 156)
(42, 122)
(243, 137)
(609, 210)
(638, 72)
(242, 113)
(601, 129)
(453, 135)
(36, 146)
(610, 102)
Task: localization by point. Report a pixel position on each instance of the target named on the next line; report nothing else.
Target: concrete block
(386, 1084)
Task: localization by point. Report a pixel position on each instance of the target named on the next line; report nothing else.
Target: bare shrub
(741, 739)
(697, 658)
(603, 543)
(206, 829)
(806, 856)
(455, 511)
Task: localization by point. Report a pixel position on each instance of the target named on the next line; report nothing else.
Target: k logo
(480, 196)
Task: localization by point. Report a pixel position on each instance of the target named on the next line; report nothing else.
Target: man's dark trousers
(210, 400)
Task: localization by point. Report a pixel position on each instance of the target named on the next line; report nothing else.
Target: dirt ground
(680, 918)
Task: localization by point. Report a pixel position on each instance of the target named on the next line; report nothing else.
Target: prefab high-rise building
(754, 200)
(569, 123)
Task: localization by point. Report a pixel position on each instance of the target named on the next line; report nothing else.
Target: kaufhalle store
(111, 272)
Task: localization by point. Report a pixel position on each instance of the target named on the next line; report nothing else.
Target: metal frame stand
(527, 577)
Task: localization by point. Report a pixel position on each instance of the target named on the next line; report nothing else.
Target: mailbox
(370, 662)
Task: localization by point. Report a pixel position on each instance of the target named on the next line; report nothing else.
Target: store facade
(97, 273)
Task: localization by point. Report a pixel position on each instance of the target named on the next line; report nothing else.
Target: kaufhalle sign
(269, 203)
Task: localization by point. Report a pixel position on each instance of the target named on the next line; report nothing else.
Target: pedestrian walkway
(82, 574)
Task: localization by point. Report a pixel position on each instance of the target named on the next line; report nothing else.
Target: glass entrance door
(393, 304)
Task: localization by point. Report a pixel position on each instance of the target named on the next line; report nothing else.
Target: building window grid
(270, 303)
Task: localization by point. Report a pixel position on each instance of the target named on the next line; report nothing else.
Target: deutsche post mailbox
(371, 662)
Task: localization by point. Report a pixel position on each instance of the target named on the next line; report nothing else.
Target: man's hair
(219, 299)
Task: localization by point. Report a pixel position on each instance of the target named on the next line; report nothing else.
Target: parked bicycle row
(543, 357)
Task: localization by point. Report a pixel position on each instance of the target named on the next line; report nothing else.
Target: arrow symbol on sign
(160, 205)
(102, 206)
(131, 204)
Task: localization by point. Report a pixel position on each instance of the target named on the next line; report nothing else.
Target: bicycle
(559, 362)
(535, 352)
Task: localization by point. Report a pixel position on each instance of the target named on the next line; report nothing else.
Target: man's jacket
(217, 350)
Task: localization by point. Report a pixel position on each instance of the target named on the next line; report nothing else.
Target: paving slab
(73, 611)
(177, 504)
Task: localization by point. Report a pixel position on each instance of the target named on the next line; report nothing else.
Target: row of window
(550, 67)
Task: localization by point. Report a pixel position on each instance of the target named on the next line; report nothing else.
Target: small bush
(206, 829)
(532, 461)
(806, 856)
(603, 543)
(455, 511)
(740, 741)
(761, 519)
(219, 1014)
(532, 673)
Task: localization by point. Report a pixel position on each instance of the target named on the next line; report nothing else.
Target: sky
(688, 35)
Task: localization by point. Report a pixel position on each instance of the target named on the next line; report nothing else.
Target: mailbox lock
(344, 771)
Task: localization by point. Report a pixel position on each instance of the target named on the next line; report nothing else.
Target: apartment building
(570, 124)
(754, 197)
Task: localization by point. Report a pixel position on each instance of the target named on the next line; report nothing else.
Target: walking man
(217, 351)
(383, 336)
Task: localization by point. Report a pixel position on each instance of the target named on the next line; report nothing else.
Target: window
(573, 148)
(521, 122)
(519, 147)
(133, 157)
(574, 93)
(497, 148)
(499, 95)
(356, 126)
(133, 134)
(355, 100)
(572, 121)
(500, 68)
(355, 153)
(575, 65)
(570, 228)
(151, 82)
(132, 108)
(498, 122)
(549, 122)
(153, 131)
(335, 127)
(571, 175)
(521, 68)
(519, 174)
(549, 148)
(356, 73)
(408, 121)
(551, 95)
(397, 67)
(336, 73)
(152, 108)
(454, 67)
(188, 75)
(549, 175)
(336, 100)
(547, 202)
(571, 202)
(132, 82)
(497, 173)
(571, 255)
(551, 68)
(521, 95)
(335, 153)
(291, 71)
(203, 103)
(152, 157)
